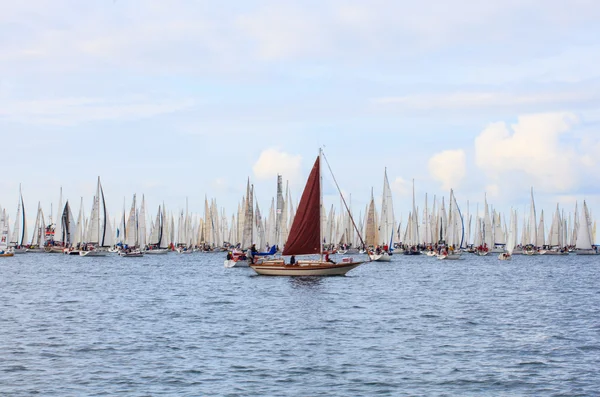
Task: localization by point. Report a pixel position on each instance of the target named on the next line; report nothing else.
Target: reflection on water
(306, 282)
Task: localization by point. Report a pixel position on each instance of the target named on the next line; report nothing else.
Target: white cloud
(76, 110)
(448, 167)
(531, 147)
(401, 187)
(272, 162)
(483, 99)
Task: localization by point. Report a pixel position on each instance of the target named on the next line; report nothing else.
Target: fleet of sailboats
(438, 229)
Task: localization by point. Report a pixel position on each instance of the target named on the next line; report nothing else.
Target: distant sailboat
(583, 244)
(99, 234)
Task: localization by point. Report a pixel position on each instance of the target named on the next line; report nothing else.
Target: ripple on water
(183, 325)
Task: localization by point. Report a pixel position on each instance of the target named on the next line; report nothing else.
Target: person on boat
(253, 249)
(328, 259)
(293, 260)
(229, 256)
(386, 248)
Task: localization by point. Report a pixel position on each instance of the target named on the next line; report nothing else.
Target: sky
(189, 99)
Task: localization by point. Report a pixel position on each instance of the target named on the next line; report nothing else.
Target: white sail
(19, 233)
(512, 232)
(78, 236)
(540, 233)
(386, 222)
(131, 228)
(584, 234)
(554, 237)
(58, 225)
(247, 236)
(39, 229)
(3, 230)
(142, 224)
(532, 222)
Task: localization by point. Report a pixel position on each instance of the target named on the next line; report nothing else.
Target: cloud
(77, 110)
(483, 99)
(448, 167)
(272, 162)
(401, 187)
(531, 147)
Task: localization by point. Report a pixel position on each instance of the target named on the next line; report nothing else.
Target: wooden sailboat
(305, 238)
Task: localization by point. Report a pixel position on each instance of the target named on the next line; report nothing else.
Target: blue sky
(176, 99)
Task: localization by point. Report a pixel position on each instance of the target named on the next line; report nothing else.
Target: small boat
(156, 251)
(136, 253)
(4, 254)
(53, 249)
(383, 256)
(412, 251)
(229, 263)
(183, 250)
(510, 243)
(449, 256)
(94, 252)
(305, 238)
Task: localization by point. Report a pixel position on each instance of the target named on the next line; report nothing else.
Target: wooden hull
(304, 268)
(6, 255)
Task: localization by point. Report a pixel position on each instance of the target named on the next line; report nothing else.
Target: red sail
(305, 231)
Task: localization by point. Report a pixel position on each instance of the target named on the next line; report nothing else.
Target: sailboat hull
(385, 257)
(585, 252)
(157, 251)
(93, 253)
(233, 263)
(304, 268)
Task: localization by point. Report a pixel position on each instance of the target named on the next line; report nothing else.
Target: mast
(320, 207)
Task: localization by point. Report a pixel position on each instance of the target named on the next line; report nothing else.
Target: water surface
(183, 325)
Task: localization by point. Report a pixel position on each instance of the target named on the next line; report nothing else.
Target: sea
(183, 325)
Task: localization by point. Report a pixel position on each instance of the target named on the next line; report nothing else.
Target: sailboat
(157, 242)
(306, 237)
(4, 250)
(39, 233)
(19, 234)
(455, 232)
(511, 241)
(386, 225)
(583, 243)
(99, 234)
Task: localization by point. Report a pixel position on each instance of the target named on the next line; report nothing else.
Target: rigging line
(345, 205)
